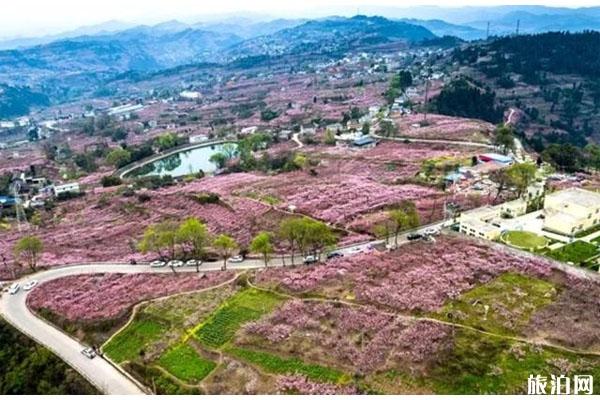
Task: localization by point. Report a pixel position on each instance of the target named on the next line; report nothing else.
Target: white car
(30, 285)
(88, 352)
(193, 263)
(157, 264)
(356, 250)
(310, 259)
(14, 288)
(236, 259)
(431, 231)
(175, 264)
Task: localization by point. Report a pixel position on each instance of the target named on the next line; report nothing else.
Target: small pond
(182, 163)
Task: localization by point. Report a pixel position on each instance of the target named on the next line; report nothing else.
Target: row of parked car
(188, 263)
(15, 287)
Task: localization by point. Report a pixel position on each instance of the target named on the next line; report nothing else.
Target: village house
(571, 211)
(71, 188)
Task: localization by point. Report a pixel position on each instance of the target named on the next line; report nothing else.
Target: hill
(71, 62)
(15, 101)
(333, 35)
(550, 79)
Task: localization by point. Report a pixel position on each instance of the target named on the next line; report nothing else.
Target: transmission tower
(20, 211)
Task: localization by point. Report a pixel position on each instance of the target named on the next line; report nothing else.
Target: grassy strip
(247, 305)
(184, 362)
(274, 364)
(525, 240)
(128, 344)
(157, 380)
(576, 252)
(486, 365)
(503, 305)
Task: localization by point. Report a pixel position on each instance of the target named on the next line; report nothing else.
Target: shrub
(110, 180)
(207, 198)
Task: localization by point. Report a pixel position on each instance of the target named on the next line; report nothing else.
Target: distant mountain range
(78, 66)
(168, 45)
(333, 35)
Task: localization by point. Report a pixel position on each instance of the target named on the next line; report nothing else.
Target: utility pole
(21, 217)
(518, 26)
(426, 99)
(487, 34)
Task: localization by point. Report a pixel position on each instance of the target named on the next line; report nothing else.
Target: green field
(576, 252)
(510, 300)
(524, 240)
(134, 339)
(289, 366)
(184, 363)
(479, 364)
(245, 306)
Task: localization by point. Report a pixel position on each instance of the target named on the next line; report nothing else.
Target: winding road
(100, 372)
(107, 377)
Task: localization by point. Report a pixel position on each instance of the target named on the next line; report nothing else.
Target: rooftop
(578, 196)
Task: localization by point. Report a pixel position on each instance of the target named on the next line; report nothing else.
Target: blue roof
(7, 201)
(362, 141)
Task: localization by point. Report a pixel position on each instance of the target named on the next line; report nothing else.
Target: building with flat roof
(489, 222)
(571, 211)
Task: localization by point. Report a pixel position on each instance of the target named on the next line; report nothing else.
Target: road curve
(102, 373)
(98, 371)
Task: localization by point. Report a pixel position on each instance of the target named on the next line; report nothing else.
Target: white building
(66, 188)
(571, 211)
(190, 95)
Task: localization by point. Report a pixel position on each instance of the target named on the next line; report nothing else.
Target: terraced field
(484, 329)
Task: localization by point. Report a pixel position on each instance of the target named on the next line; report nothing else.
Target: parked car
(157, 264)
(236, 259)
(30, 285)
(335, 254)
(431, 231)
(310, 259)
(14, 288)
(193, 263)
(414, 236)
(175, 264)
(355, 250)
(89, 352)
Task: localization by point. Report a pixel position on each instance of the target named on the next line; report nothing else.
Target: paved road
(441, 141)
(98, 371)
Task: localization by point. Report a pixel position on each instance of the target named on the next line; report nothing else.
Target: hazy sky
(38, 17)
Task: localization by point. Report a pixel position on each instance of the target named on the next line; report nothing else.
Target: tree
(225, 245)
(565, 157)
(262, 244)
(521, 176)
(387, 128)
(193, 237)
(29, 248)
(593, 156)
(166, 141)
(403, 218)
(366, 128)
(502, 180)
(160, 238)
(290, 231)
(329, 138)
(315, 236)
(504, 137)
(118, 157)
(219, 159)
